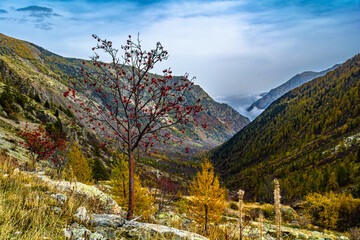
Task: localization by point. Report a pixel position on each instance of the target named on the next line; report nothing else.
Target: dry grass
(27, 210)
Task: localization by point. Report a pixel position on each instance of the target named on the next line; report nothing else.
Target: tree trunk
(124, 187)
(32, 164)
(206, 218)
(130, 213)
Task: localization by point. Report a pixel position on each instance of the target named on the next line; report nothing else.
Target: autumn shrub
(333, 211)
(181, 205)
(349, 212)
(288, 214)
(42, 145)
(269, 212)
(166, 192)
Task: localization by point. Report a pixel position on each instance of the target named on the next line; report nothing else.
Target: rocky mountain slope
(294, 82)
(31, 70)
(308, 138)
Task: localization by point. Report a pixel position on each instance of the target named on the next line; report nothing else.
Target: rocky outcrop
(108, 204)
(107, 226)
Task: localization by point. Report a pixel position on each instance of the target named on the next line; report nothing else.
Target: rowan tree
(207, 201)
(78, 167)
(137, 108)
(42, 145)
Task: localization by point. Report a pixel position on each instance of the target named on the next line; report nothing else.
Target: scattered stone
(66, 233)
(57, 210)
(78, 232)
(107, 220)
(81, 214)
(61, 198)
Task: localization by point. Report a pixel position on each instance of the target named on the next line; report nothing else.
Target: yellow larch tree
(207, 197)
(144, 201)
(78, 167)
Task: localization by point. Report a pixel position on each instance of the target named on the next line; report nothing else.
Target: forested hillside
(36, 71)
(309, 138)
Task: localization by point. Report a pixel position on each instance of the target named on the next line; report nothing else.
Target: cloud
(233, 47)
(44, 26)
(39, 14)
(35, 9)
(44, 15)
(2, 11)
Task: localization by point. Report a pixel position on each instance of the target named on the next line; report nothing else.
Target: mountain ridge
(292, 83)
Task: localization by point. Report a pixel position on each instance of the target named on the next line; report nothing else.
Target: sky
(234, 48)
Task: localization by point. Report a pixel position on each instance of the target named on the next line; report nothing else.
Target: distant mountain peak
(292, 83)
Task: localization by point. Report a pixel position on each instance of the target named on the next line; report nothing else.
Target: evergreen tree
(37, 98)
(207, 200)
(6, 98)
(357, 155)
(343, 175)
(99, 171)
(97, 151)
(78, 168)
(47, 104)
